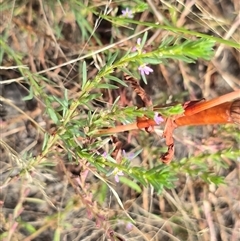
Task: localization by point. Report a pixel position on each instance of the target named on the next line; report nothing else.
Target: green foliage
(77, 119)
(198, 166)
(159, 177)
(69, 128)
(187, 51)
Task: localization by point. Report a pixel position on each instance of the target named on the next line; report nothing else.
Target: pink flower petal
(158, 119)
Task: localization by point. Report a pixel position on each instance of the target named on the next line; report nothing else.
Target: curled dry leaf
(168, 134)
(147, 102)
(168, 156)
(118, 146)
(139, 90)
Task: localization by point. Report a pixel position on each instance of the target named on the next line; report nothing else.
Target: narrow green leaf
(66, 95)
(59, 101)
(30, 96)
(131, 184)
(152, 60)
(57, 234)
(117, 80)
(112, 58)
(115, 103)
(30, 228)
(127, 72)
(144, 39)
(45, 140)
(65, 103)
(107, 86)
(52, 115)
(144, 79)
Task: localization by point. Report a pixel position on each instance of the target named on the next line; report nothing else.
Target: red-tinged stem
(117, 129)
(215, 111)
(211, 103)
(134, 126)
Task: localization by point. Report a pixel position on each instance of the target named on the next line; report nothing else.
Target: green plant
(75, 118)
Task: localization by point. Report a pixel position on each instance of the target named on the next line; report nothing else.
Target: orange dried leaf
(168, 156)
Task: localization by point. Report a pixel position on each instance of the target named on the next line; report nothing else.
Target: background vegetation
(61, 79)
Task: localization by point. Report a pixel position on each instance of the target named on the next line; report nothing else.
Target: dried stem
(211, 103)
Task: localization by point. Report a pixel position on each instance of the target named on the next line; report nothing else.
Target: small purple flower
(127, 13)
(137, 47)
(128, 156)
(129, 226)
(117, 174)
(158, 119)
(104, 154)
(144, 69)
(134, 49)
